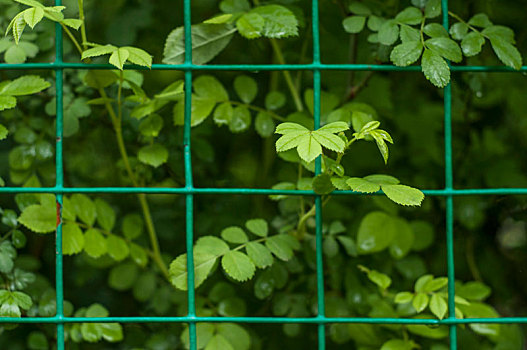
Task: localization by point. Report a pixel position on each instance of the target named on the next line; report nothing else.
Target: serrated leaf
(435, 69)
(438, 306)
(6, 102)
(238, 266)
(280, 22)
(410, 15)
(358, 184)
(3, 131)
(234, 234)
(72, 239)
(388, 32)
(322, 184)
(407, 53)
(33, 15)
(445, 47)
(72, 23)
(257, 226)
(480, 20)
(212, 245)
(404, 195)
(279, 247)
(250, 25)
(260, 255)
(329, 140)
(118, 57)
(499, 33)
(98, 51)
(26, 85)
(308, 147)
(433, 8)
(435, 30)
(507, 53)
(154, 155)
(39, 219)
(138, 56)
(208, 40)
(105, 214)
(472, 44)
(84, 207)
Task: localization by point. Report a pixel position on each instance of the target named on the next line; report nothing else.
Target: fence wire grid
(189, 191)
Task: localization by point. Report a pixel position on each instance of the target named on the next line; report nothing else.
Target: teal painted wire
(263, 320)
(449, 200)
(321, 305)
(257, 67)
(59, 183)
(189, 205)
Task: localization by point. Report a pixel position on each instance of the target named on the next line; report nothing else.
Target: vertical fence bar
(449, 198)
(318, 200)
(189, 198)
(59, 184)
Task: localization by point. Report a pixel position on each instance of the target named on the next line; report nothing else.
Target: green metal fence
(321, 320)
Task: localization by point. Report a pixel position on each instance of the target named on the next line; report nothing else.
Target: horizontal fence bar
(250, 191)
(280, 320)
(256, 67)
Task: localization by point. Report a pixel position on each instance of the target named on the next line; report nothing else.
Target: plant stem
(83, 25)
(70, 35)
(287, 76)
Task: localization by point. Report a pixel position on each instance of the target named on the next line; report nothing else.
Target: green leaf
(123, 276)
(112, 332)
(212, 245)
(217, 342)
(438, 306)
(480, 20)
(435, 69)
(138, 56)
(435, 30)
(37, 341)
(398, 344)
(358, 184)
(226, 18)
(239, 338)
(151, 126)
(33, 15)
(410, 15)
(507, 53)
(39, 219)
(354, 24)
(99, 51)
(264, 124)
(234, 234)
(250, 25)
(446, 48)
(308, 147)
(154, 155)
(132, 226)
(246, 88)
(72, 239)
(279, 246)
(404, 195)
(433, 8)
(201, 109)
(480, 310)
(257, 226)
(388, 32)
(241, 119)
(275, 100)
(499, 33)
(16, 26)
(117, 247)
(322, 184)
(203, 264)
(280, 22)
(459, 30)
(6, 102)
(210, 88)
(359, 9)
(403, 239)
(208, 40)
(380, 279)
(105, 214)
(7, 256)
(329, 140)
(403, 297)
(259, 254)
(118, 57)
(85, 208)
(420, 302)
(472, 44)
(473, 291)
(72, 23)
(407, 53)
(434, 284)
(234, 6)
(138, 255)
(238, 266)
(223, 113)
(26, 85)
(94, 243)
(376, 232)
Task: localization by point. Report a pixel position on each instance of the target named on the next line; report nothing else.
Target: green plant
(128, 126)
